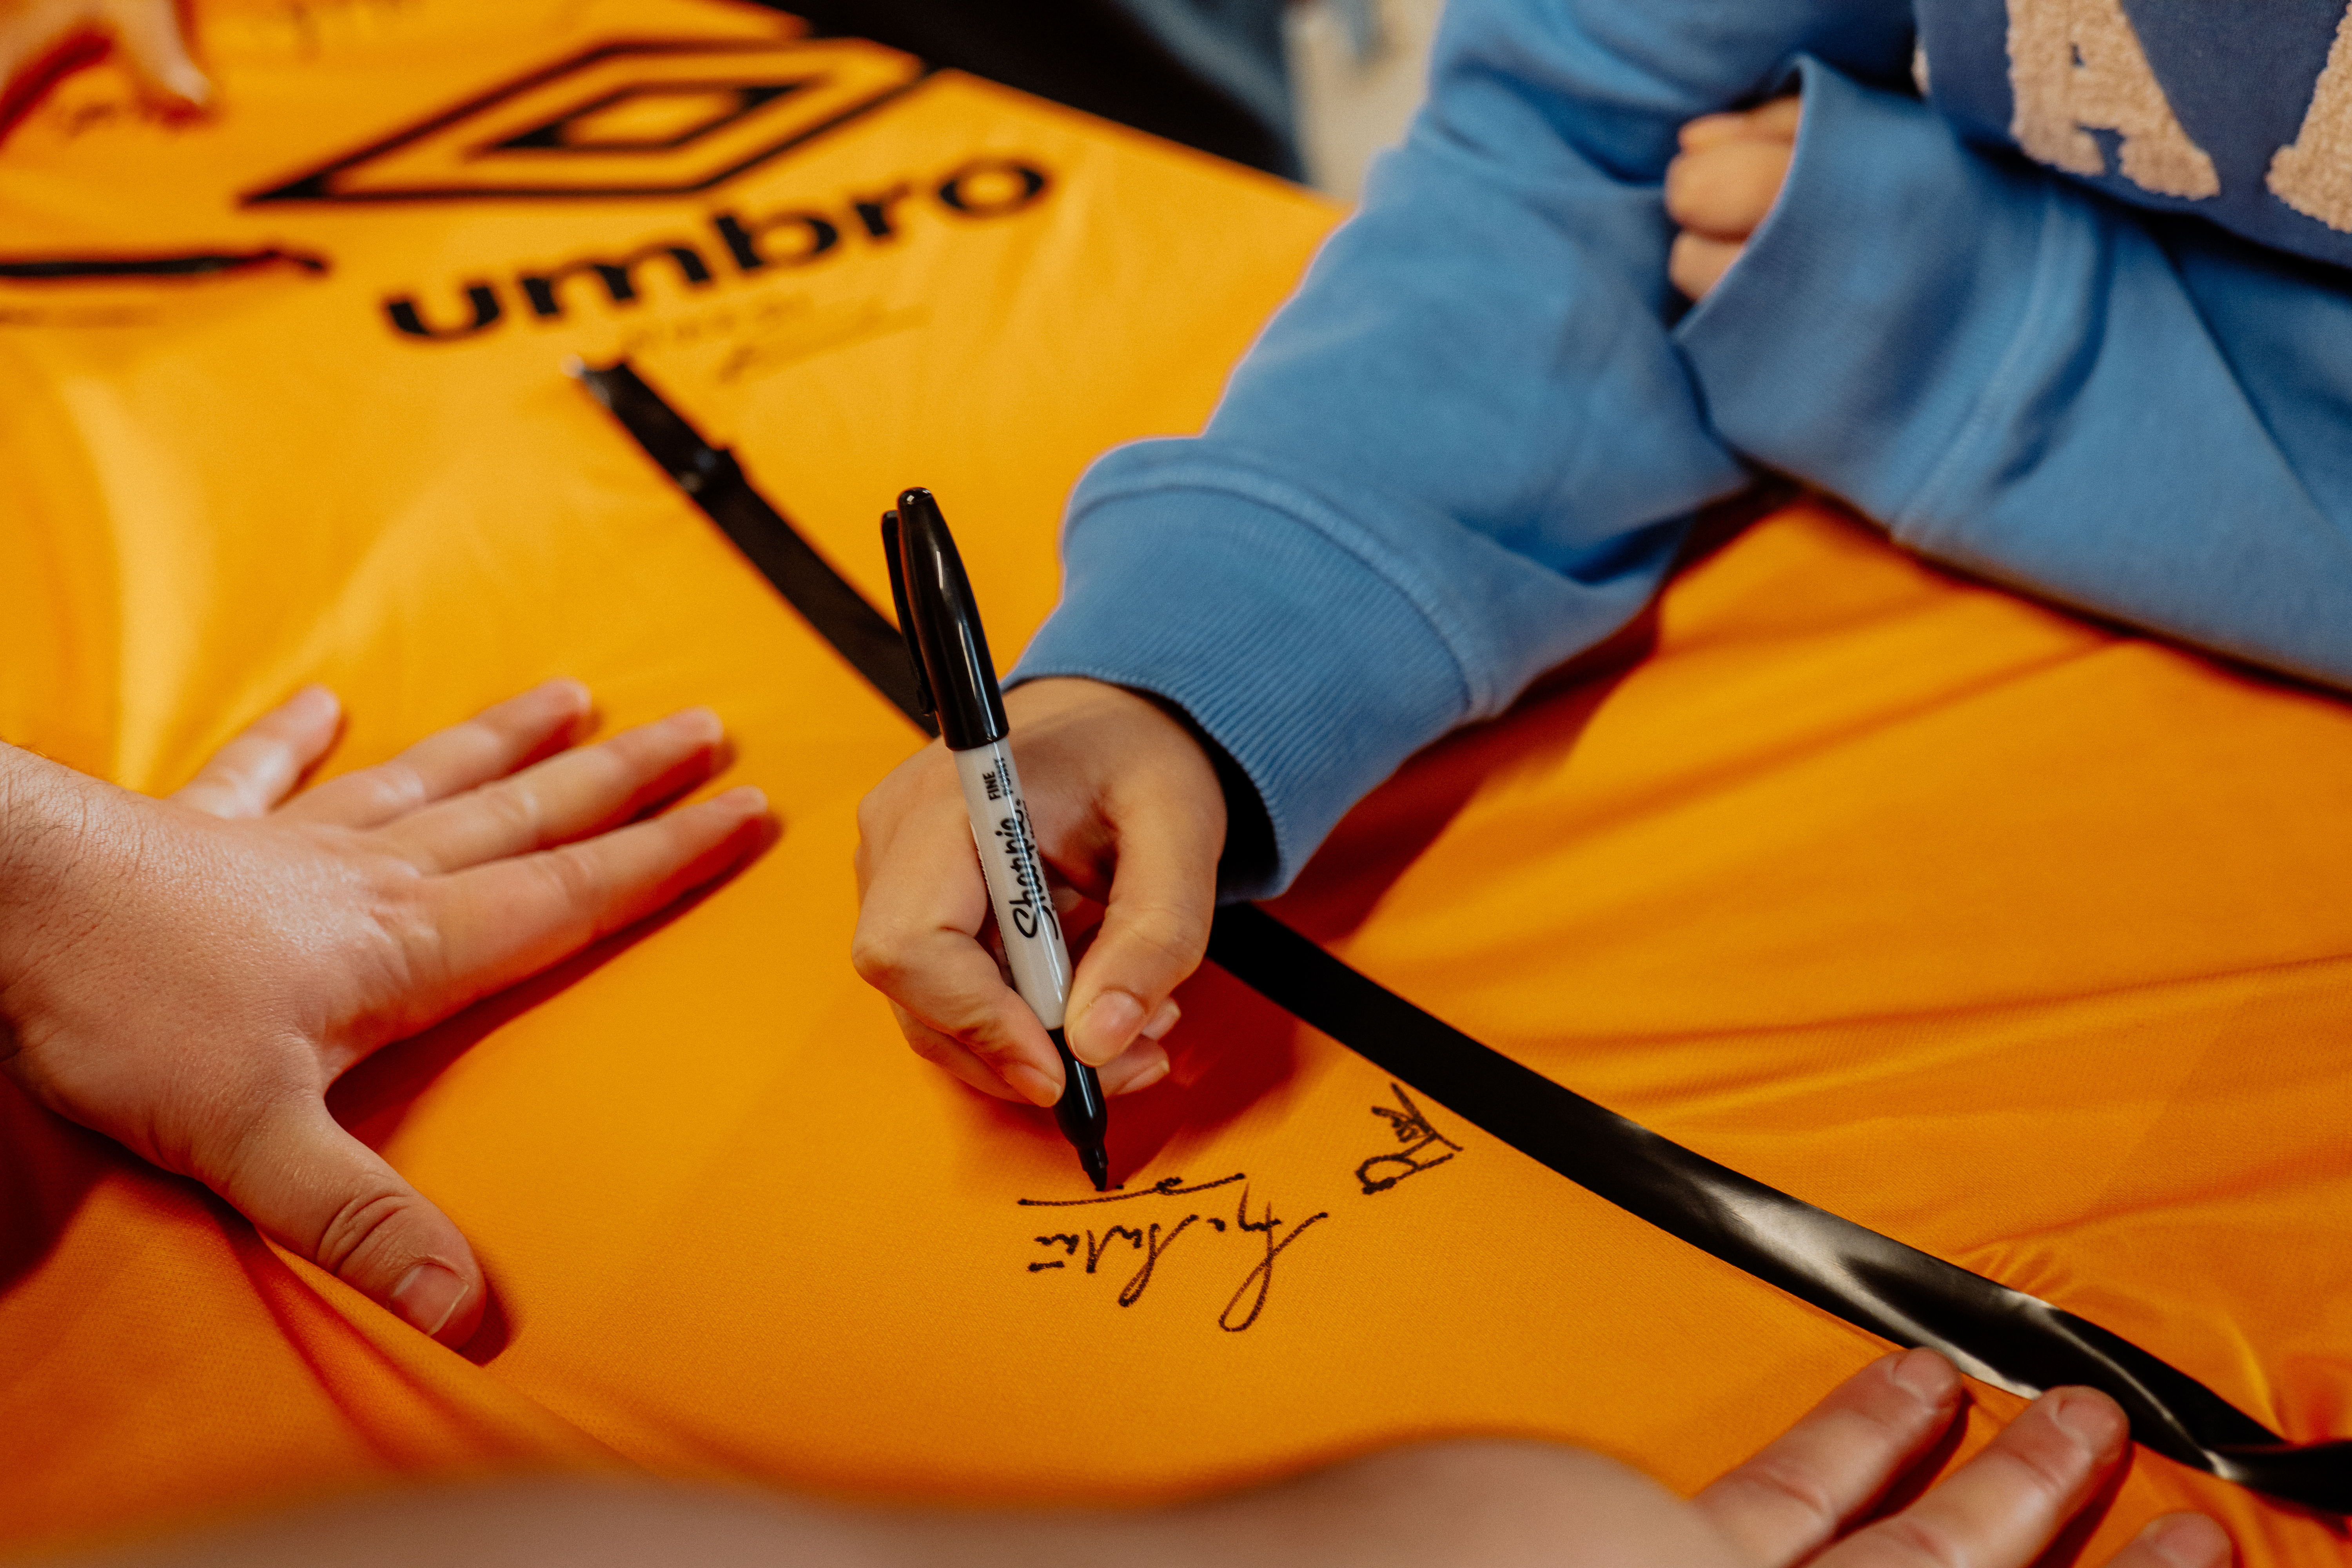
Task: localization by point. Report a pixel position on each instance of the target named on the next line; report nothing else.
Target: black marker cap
(944, 626)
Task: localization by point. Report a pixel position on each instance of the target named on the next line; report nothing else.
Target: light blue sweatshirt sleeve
(1464, 451)
(2131, 412)
(1467, 449)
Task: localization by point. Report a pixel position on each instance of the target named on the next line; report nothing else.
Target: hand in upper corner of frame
(36, 34)
(189, 976)
(1128, 810)
(1722, 185)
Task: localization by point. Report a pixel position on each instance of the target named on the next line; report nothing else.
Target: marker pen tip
(1098, 1165)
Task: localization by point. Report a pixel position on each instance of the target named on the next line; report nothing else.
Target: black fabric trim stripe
(831, 605)
(102, 268)
(1993, 1333)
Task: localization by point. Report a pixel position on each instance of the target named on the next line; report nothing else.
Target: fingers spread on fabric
(152, 45)
(318, 1190)
(1795, 1496)
(260, 767)
(497, 924)
(491, 745)
(2001, 1508)
(567, 796)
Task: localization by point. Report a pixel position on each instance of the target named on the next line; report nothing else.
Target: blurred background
(1358, 70)
(1309, 89)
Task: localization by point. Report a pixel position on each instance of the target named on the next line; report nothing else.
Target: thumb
(148, 33)
(317, 1189)
(1155, 930)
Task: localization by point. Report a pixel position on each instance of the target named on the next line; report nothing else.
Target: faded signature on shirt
(1150, 1241)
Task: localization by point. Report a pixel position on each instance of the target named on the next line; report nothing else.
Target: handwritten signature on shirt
(1151, 1241)
(1423, 1148)
(1413, 1131)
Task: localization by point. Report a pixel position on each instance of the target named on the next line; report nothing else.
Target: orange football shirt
(2017, 939)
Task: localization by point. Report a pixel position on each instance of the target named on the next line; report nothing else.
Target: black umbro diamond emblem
(644, 118)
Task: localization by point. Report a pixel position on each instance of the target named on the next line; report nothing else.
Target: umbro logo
(648, 118)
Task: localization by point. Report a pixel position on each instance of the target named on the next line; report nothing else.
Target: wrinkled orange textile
(2021, 940)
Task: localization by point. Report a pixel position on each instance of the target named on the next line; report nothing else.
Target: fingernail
(1163, 1021)
(1033, 1085)
(2091, 1419)
(1108, 1024)
(574, 689)
(1925, 1376)
(2188, 1541)
(429, 1295)
(698, 721)
(316, 699)
(190, 83)
(749, 799)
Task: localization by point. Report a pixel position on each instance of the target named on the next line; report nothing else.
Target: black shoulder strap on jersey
(1991, 1333)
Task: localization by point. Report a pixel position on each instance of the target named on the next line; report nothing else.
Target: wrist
(1139, 726)
(1247, 857)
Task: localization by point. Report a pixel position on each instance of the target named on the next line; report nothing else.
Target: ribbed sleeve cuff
(1308, 665)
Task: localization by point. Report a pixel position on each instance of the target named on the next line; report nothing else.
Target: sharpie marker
(957, 683)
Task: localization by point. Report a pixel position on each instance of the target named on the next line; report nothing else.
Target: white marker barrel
(1016, 880)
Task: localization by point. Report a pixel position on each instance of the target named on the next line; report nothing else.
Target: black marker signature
(1262, 1276)
(1165, 1187)
(1154, 1240)
(1413, 1128)
(1147, 1241)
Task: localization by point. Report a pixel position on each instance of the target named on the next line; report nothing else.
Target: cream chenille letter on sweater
(2075, 65)
(2312, 174)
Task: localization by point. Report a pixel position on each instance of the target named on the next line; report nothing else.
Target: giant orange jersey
(2014, 938)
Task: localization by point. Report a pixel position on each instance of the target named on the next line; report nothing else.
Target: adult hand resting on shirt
(1722, 184)
(189, 976)
(146, 33)
(1494, 1504)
